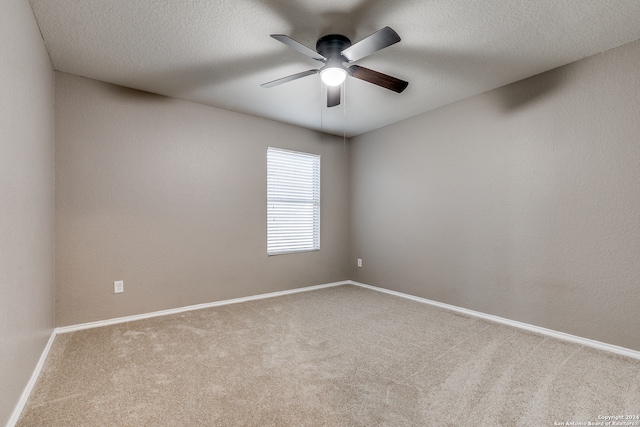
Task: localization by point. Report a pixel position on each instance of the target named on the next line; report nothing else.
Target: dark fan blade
(375, 42)
(289, 78)
(298, 46)
(377, 78)
(333, 96)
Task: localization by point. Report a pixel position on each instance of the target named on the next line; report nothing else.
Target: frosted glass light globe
(333, 76)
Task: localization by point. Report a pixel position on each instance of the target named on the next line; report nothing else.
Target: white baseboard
(520, 325)
(514, 323)
(99, 323)
(32, 382)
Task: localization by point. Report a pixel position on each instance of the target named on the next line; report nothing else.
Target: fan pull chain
(321, 109)
(344, 116)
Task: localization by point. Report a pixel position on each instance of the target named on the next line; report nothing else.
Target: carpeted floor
(341, 356)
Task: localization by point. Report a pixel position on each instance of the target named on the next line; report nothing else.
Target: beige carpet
(342, 356)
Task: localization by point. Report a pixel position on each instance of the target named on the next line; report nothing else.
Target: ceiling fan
(336, 49)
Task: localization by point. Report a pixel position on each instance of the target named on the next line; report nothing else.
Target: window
(293, 201)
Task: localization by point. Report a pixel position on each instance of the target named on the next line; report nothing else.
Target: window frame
(293, 179)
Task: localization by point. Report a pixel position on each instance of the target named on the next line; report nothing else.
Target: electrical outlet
(118, 286)
(359, 262)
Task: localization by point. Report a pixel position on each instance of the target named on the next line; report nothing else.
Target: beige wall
(26, 200)
(523, 202)
(170, 196)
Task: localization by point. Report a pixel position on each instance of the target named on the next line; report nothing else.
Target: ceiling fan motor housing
(331, 46)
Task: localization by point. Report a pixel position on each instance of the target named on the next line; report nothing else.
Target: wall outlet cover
(118, 286)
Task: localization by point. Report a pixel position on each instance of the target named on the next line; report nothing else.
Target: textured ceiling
(218, 52)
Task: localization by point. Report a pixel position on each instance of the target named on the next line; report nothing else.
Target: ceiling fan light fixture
(333, 76)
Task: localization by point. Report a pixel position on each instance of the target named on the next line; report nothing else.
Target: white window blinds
(293, 201)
